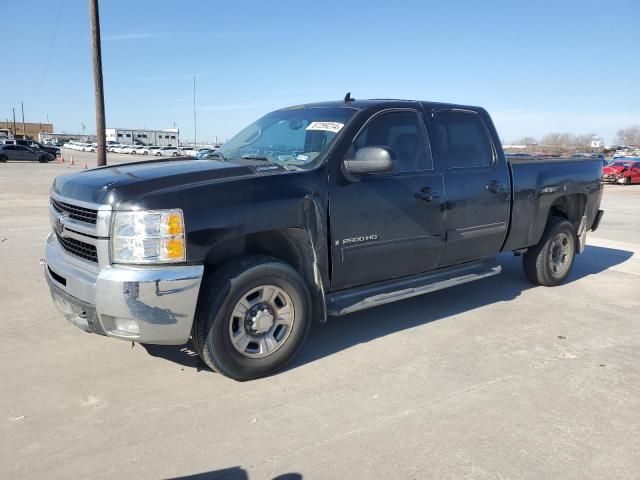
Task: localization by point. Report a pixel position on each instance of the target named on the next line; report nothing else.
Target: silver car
(19, 152)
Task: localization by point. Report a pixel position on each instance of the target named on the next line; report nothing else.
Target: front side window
(403, 134)
(463, 140)
(295, 137)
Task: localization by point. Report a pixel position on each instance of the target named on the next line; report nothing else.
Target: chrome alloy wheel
(561, 253)
(261, 321)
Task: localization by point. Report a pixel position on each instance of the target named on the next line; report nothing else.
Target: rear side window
(463, 140)
(402, 132)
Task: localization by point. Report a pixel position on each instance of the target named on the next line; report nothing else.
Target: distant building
(31, 130)
(133, 136)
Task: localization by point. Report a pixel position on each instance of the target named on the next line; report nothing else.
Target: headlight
(155, 236)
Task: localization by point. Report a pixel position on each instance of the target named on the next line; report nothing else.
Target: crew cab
(312, 211)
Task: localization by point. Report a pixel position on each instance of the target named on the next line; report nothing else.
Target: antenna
(347, 98)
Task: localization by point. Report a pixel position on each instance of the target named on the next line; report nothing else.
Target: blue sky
(536, 66)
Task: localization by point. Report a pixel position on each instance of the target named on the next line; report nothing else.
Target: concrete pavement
(494, 379)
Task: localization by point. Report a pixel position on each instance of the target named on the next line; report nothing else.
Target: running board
(360, 298)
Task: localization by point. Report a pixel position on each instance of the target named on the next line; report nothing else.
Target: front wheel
(43, 159)
(175, 154)
(252, 318)
(3, 159)
(549, 262)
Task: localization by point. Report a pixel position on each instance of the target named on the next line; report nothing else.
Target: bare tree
(629, 135)
(584, 140)
(557, 138)
(527, 141)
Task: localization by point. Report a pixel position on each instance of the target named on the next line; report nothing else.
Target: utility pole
(14, 121)
(24, 132)
(195, 125)
(101, 148)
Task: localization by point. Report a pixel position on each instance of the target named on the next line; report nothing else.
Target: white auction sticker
(334, 127)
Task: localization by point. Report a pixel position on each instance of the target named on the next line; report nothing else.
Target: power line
(53, 41)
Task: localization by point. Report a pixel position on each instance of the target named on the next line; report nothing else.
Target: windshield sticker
(334, 127)
(302, 158)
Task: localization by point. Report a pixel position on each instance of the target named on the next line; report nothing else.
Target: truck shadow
(341, 333)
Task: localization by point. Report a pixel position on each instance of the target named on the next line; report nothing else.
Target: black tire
(222, 290)
(175, 154)
(43, 159)
(538, 260)
(627, 181)
(3, 159)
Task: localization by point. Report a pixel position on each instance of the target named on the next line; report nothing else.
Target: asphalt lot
(493, 379)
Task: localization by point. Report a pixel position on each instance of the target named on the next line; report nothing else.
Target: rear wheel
(43, 159)
(549, 262)
(175, 154)
(3, 159)
(627, 181)
(253, 316)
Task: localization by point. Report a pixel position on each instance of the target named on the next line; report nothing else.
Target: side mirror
(368, 160)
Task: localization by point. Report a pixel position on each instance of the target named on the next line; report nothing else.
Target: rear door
(388, 225)
(24, 153)
(477, 185)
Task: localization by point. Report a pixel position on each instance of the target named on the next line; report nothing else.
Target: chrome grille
(81, 214)
(78, 248)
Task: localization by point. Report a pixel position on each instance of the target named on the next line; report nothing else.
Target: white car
(137, 149)
(191, 151)
(150, 150)
(167, 152)
(120, 148)
(127, 149)
(89, 147)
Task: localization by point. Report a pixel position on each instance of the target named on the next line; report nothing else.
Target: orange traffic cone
(85, 165)
(72, 162)
(62, 158)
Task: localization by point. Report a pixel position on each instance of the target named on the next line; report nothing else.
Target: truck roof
(377, 102)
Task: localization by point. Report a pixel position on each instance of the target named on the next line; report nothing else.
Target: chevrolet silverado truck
(312, 211)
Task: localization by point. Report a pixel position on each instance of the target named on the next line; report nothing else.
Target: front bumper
(143, 304)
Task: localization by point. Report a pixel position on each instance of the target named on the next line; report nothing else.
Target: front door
(388, 225)
(477, 183)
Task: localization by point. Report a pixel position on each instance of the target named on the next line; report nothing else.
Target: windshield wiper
(256, 157)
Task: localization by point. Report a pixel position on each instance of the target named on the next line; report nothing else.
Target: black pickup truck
(312, 211)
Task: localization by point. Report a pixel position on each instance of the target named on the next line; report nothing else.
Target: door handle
(426, 195)
(495, 187)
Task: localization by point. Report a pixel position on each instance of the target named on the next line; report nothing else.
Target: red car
(625, 171)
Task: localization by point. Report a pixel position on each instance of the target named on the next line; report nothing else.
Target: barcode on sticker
(334, 127)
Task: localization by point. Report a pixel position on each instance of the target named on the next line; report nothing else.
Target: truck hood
(114, 184)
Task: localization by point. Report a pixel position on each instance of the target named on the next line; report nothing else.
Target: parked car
(32, 144)
(20, 152)
(204, 151)
(317, 211)
(625, 171)
(90, 147)
(127, 149)
(137, 150)
(148, 150)
(188, 151)
(167, 152)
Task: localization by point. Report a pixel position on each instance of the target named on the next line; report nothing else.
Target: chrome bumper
(142, 304)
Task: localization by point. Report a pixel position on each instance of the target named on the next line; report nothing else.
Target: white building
(135, 136)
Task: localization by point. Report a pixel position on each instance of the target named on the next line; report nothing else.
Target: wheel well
(571, 207)
(290, 245)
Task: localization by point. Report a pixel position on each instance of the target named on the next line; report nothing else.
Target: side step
(360, 298)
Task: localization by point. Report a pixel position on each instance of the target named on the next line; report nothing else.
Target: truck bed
(540, 184)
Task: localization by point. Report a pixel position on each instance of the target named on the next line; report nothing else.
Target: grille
(78, 248)
(81, 214)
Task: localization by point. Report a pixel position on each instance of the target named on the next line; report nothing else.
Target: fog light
(127, 325)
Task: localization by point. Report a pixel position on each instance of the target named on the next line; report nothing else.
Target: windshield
(295, 137)
(620, 164)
